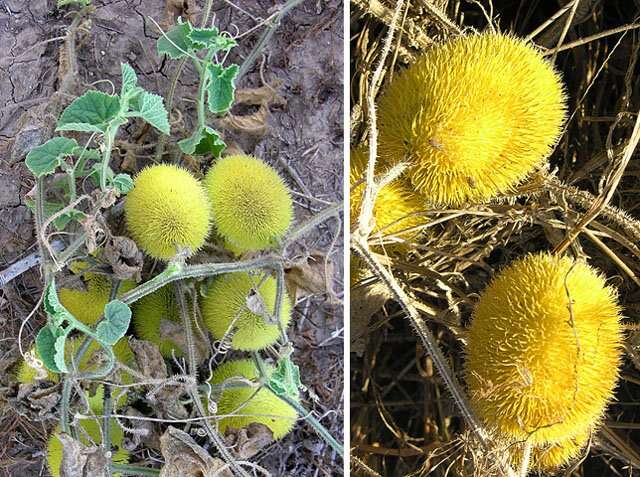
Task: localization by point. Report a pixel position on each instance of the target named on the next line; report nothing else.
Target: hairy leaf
(203, 141)
(221, 87)
(150, 107)
(211, 39)
(91, 112)
(176, 42)
(117, 316)
(46, 158)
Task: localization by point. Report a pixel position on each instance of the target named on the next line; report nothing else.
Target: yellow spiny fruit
(251, 204)
(544, 349)
(551, 457)
(396, 204)
(90, 434)
(167, 210)
(248, 406)
(473, 117)
(226, 310)
(88, 306)
(147, 318)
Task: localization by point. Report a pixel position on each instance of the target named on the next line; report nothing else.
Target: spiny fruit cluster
(169, 210)
(543, 353)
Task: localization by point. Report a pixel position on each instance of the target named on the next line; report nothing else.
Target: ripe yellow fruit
(541, 365)
(251, 204)
(148, 314)
(247, 405)
(232, 307)
(90, 434)
(166, 211)
(396, 205)
(473, 117)
(551, 457)
(88, 306)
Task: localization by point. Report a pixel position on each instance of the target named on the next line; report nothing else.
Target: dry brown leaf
(311, 277)
(254, 123)
(150, 361)
(79, 460)
(365, 302)
(184, 458)
(124, 257)
(246, 442)
(152, 365)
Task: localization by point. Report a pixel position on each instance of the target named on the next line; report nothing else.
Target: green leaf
(44, 159)
(58, 357)
(56, 313)
(129, 79)
(203, 141)
(88, 154)
(45, 344)
(150, 107)
(117, 316)
(91, 112)
(285, 380)
(176, 42)
(51, 208)
(123, 183)
(221, 87)
(211, 39)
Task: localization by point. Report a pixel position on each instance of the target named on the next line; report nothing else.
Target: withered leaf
(246, 442)
(184, 458)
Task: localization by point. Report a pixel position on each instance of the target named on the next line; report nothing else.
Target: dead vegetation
(403, 418)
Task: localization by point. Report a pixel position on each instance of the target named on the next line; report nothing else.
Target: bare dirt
(301, 136)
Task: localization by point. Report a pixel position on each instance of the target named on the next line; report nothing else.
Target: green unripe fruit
(166, 211)
(251, 205)
(241, 305)
(248, 406)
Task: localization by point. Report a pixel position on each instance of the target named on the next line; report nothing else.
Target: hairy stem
(126, 469)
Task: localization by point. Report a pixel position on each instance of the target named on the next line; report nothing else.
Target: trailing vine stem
(299, 408)
(126, 469)
(193, 390)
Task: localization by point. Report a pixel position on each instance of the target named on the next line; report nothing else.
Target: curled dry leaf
(365, 302)
(254, 123)
(79, 460)
(312, 276)
(184, 458)
(148, 357)
(124, 257)
(166, 394)
(174, 332)
(246, 442)
(35, 401)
